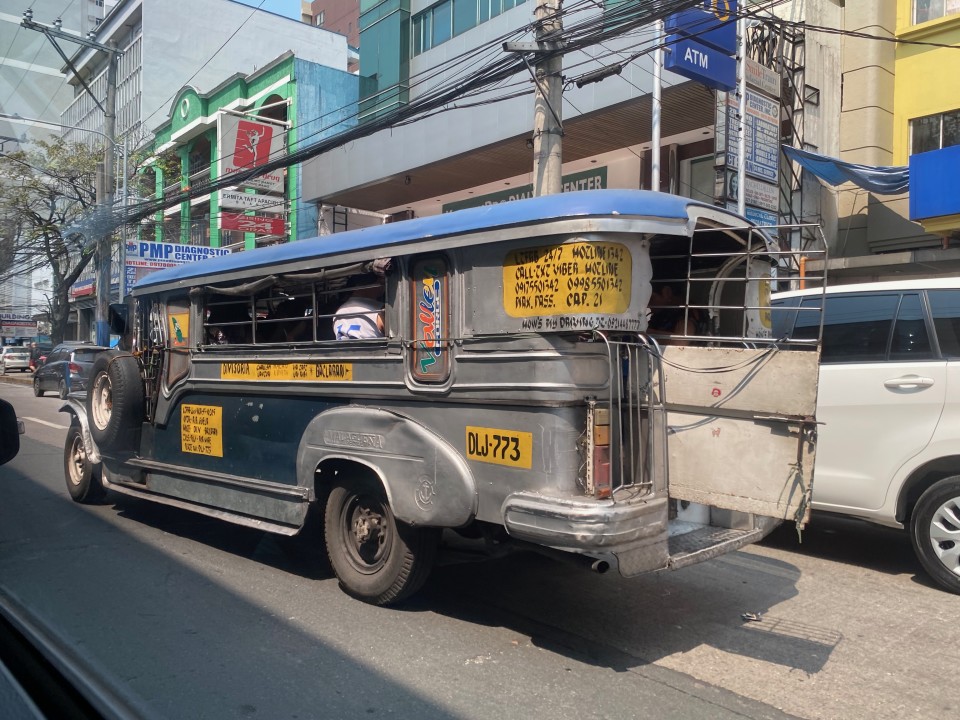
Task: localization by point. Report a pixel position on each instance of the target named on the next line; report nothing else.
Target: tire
(37, 392)
(83, 478)
(935, 532)
(62, 389)
(115, 401)
(375, 558)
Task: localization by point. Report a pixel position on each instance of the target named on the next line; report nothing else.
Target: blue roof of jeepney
(584, 203)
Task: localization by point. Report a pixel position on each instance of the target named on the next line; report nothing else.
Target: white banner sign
(248, 201)
(245, 144)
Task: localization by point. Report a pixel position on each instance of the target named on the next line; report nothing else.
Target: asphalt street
(185, 616)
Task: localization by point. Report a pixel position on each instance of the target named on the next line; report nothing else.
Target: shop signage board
(143, 257)
(763, 135)
(702, 42)
(257, 224)
(758, 193)
(595, 179)
(247, 143)
(700, 62)
(15, 325)
(714, 24)
(239, 200)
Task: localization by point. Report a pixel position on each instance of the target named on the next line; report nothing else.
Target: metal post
(655, 106)
(106, 203)
(742, 112)
(547, 131)
(123, 227)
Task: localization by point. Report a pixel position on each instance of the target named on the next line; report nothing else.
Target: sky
(287, 8)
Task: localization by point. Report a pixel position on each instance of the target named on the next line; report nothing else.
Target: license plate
(512, 448)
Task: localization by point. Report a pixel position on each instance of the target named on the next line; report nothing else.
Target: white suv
(889, 400)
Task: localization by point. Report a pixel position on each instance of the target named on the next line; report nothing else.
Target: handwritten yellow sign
(571, 279)
(290, 372)
(201, 429)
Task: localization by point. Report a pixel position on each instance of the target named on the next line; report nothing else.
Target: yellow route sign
(298, 372)
(571, 279)
(201, 429)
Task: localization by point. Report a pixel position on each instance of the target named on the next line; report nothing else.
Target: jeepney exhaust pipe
(569, 558)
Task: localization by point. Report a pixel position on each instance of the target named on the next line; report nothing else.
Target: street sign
(701, 63)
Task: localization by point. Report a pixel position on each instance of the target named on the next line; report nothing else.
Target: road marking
(48, 424)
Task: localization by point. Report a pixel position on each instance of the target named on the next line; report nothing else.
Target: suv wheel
(935, 532)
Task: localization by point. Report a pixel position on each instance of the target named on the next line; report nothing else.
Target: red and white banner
(246, 144)
(258, 224)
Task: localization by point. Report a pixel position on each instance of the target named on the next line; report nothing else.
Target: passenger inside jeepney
(669, 317)
(360, 316)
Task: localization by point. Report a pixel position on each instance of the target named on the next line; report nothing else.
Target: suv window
(86, 355)
(945, 307)
(910, 340)
(856, 328)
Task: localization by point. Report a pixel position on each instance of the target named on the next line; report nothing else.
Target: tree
(45, 194)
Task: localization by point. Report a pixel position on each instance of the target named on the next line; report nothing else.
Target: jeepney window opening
(701, 285)
(286, 309)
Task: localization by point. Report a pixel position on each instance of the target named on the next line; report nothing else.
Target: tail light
(598, 467)
(74, 368)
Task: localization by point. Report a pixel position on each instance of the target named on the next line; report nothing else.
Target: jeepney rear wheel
(376, 558)
(83, 477)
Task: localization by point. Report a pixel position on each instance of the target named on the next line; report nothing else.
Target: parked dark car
(67, 369)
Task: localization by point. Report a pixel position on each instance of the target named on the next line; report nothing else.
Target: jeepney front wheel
(376, 558)
(83, 477)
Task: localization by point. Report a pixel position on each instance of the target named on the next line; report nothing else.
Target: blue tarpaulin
(877, 179)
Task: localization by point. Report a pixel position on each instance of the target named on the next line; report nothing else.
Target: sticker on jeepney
(571, 279)
(512, 448)
(290, 372)
(201, 430)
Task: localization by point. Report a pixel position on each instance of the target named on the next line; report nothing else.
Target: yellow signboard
(572, 279)
(292, 372)
(201, 429)
(501, 447)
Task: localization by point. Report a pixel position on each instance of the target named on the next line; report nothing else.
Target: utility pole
(547, 106)
(109, 107)
(548, 97)
(104, 274)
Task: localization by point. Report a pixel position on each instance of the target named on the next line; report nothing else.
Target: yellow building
(927, 111)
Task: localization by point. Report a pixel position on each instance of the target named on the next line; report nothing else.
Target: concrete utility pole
(547, 126)
(109, 107)
(547, 107)
(103, 242)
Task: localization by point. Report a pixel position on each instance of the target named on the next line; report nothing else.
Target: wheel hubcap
(945, 535)
(102, 402)
(78, 459)
(367, 535)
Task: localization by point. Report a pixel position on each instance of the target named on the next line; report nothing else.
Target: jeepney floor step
(707, 542)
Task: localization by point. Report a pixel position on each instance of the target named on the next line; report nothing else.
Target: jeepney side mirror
(10, 431)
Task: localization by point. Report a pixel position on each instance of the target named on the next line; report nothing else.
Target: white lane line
(48, 424)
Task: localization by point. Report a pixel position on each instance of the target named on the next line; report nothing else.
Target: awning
(877, 179)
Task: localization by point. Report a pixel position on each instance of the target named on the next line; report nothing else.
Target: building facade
(287, 104)
(479, 150)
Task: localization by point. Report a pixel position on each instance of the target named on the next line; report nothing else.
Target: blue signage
(701, 63)
(714, 26)
(933, 186)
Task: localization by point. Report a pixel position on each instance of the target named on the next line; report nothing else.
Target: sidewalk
(17, 378)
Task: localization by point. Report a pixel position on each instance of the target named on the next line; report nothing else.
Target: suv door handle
(909, 381)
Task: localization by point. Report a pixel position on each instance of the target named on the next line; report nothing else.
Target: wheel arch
(78, 416)
(921, 479)
(427, 482)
